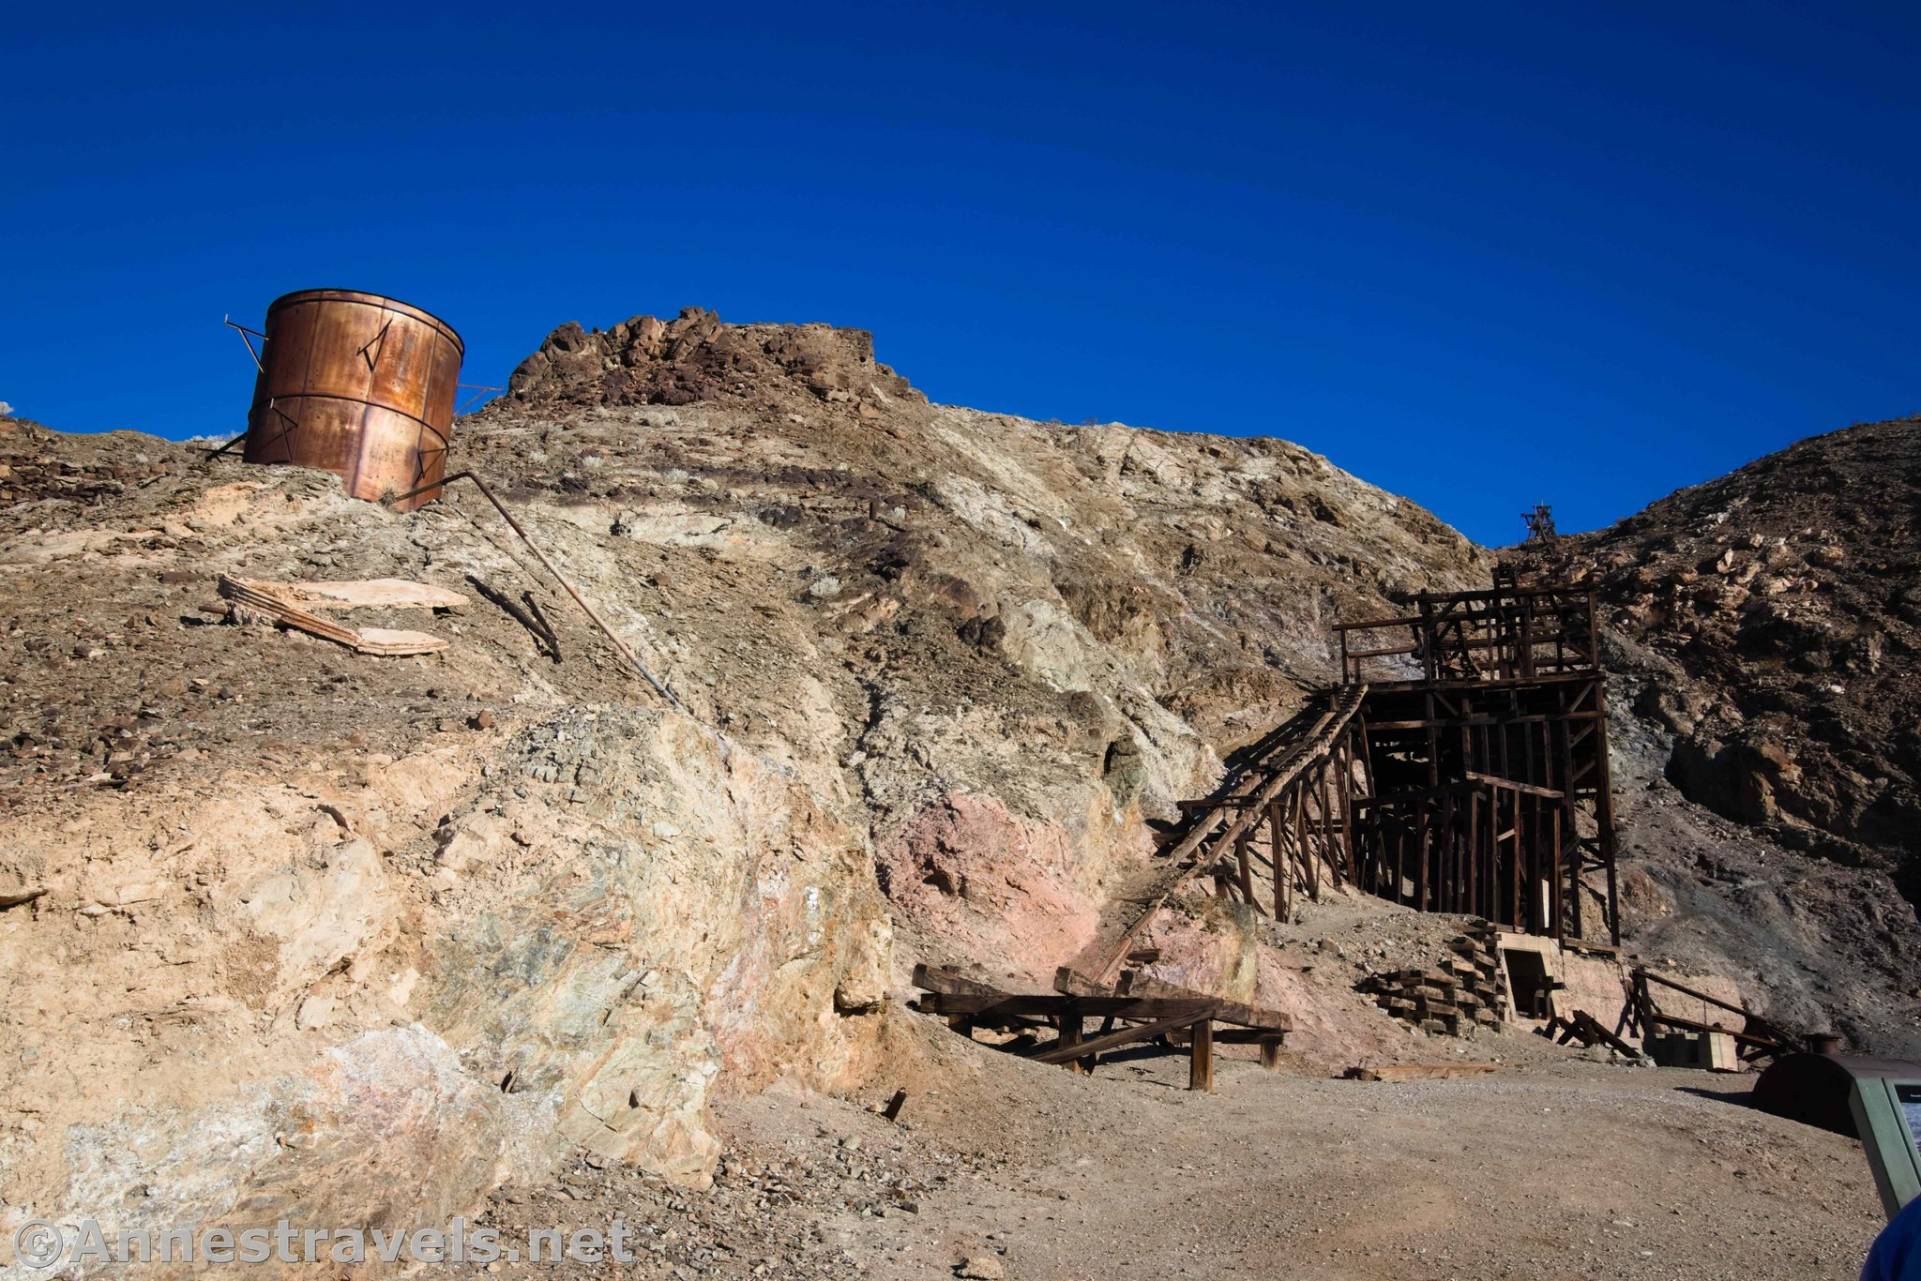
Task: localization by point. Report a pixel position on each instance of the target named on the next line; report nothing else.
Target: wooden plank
(950, 981)
(376, 593)
(1228, 1034)
(252, 597)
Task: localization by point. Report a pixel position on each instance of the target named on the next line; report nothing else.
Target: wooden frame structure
(1755, 1039)
(1136, 1011)
(1460, 766)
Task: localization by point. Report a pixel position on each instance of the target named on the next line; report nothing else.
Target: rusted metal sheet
(361, 385)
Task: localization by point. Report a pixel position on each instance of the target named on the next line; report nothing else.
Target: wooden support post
(1474, 853)
(1071, 1029)
(1517, 907)
(1604, 800)
(1300, 833)
(1346, 780)
(1400, 863)
(1246, 869)
(1315, 857)
(1278, 852)
(1200, 1057)
(1557, 916)
(1422, 836)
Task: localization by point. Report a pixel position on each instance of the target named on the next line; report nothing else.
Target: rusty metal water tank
(358, 384)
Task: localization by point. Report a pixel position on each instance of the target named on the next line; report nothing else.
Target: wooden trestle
(1284, 817)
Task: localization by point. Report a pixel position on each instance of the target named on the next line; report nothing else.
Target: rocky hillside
(296, 929)
(1788, 596)
(1766, 626)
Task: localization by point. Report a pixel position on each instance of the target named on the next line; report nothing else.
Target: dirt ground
(1557, 1166)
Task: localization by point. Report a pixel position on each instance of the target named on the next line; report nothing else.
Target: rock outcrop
(695, 357)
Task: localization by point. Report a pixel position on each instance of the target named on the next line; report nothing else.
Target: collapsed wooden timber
(1588, 1030)
(1135, 1011)
(292, 605)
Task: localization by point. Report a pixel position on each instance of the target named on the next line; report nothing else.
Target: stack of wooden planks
(1465, 992)
(295, 604)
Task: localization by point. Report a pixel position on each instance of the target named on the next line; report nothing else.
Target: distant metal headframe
(361, 385)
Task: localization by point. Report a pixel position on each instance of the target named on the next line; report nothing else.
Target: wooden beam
(1073, 982)
(1002, 1004)
(1418, 1071)
(1508, 784)
(950, 981)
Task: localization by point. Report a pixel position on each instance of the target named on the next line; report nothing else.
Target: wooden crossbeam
(986, 1007)
(1063, 1053)
(949, 981)
(1508, 784)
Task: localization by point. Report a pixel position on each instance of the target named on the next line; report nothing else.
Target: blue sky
(1483, 255)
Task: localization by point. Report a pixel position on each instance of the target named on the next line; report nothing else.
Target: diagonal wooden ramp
(1300, 782)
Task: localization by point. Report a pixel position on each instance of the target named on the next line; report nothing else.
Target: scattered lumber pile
(1466, 992)
(1589, 1031)
(1135, 1011)
(250, 600)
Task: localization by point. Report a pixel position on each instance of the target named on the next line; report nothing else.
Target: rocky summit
(295, 930)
